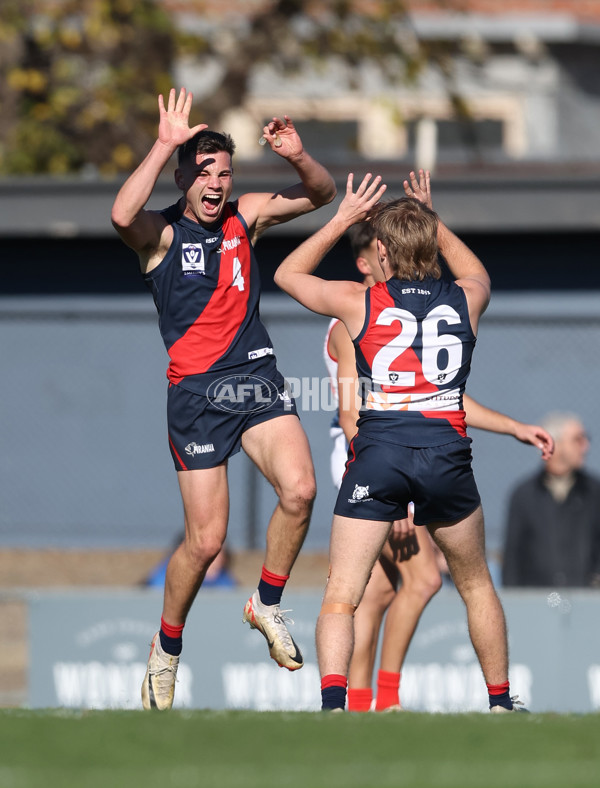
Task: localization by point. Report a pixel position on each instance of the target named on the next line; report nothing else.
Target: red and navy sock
(333, 692)
(171, 638)
(499, 695)
(270, 587)
(359, 699)
(388, 690)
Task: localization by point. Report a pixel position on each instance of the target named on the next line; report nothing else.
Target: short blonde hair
(408, 230)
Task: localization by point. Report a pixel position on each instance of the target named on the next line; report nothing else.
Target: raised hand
(173, 126)
(419, 188)
(356, 205)
(283, 138)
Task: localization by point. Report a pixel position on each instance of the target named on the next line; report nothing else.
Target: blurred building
(525, 73)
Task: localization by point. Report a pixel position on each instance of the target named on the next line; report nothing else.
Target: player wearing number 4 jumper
(198, 259)
(414, 335)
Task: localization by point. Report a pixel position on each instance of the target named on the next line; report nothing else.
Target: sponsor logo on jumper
(260, 353)
(212, 240)
(199, 448)
(192, 259)
(230, 243)
(361, 493)
(243, 393)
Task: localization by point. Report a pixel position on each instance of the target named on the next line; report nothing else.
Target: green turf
(62, 749)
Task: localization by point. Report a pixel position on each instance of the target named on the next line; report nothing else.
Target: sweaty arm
(483, 418)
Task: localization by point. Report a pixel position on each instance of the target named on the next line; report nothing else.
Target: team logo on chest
(192, 259)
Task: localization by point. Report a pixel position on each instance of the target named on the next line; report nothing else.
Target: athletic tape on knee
(338, 607)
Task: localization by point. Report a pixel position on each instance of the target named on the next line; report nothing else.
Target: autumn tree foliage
(79, 78)
(78, 83)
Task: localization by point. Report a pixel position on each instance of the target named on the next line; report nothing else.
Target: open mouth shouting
(211, 204)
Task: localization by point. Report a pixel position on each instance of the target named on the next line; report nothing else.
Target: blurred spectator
(553, 529)
(218, 574)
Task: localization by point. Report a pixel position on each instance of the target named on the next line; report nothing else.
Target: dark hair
(408, 230)
(360, 235)
(205, 142)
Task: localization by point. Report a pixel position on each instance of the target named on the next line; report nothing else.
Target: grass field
(65, 749)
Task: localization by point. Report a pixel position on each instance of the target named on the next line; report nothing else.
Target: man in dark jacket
(553, 530)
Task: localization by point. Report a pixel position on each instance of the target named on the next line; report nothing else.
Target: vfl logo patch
(192, 259)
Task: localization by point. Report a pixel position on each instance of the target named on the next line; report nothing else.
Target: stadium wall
(99, 660)
(83, 446)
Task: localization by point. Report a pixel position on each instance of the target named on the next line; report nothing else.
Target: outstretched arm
(465, 266)
(477, 415)
(294, 275)
(316, 186)
(141, 229)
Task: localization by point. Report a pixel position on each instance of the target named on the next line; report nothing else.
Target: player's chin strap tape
(338, 607)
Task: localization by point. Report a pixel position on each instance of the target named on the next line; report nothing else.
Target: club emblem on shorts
(360, 492)
(192, 259)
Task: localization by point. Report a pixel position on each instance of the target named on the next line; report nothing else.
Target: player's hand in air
(419, 188)
(173, 125)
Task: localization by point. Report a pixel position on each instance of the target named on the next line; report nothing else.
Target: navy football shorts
(204, 430)
(382, 478)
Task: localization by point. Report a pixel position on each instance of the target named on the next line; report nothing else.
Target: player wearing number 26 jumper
(413, 335)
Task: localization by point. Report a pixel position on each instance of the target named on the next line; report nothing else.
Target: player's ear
(381, 250)
(363, 266)
(179, 179)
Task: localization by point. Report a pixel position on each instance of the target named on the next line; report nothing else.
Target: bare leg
(420, 581)
(463, 544)
(206, 509)
(379, 594)
(280, 450)
(354, 548)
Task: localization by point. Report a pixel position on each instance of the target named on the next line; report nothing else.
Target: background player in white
(278, 446)
(402, 453)
(409, 555)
